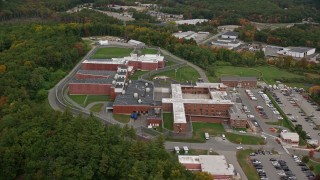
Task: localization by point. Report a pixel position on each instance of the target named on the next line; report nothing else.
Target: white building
(226, 43)
(230, 35)
(290, 138)
(136, 43)
(101, 42)
(297, 52)
(191, 21)
(197, 36)
(213, 164)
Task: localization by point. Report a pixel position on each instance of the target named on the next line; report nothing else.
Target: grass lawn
(316, 166)
(137, 74)
(123, 118)
(200, 128)
(96, 98)
(168, 120)
(169, 63)
(78, 99)
(149, 51)
(244, 139)
(111, 52)
(247, 167)
(183, 74)
(96, 108)
(270, 73)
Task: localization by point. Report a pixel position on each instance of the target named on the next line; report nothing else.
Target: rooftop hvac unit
(147, 90)
(139, 101)
(116, 76)
(135, 95)
(130, 81)
(146, 84)
(123, 92)
(157, 110)
(126, 84)
(113, 82)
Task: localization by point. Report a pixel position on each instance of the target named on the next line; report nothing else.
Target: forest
(38, 143)
(222, 11)
(228, 11)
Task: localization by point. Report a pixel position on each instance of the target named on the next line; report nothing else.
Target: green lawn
(96, 108)
(169, 63)
(137, 74)
(183, 74)
(168, 120)
(111, 52)
(247, 167)
(78, 99)
(96, 98)
(270, 73)
(316, 166)
(123, 118)
(149, 51)
(199, 128)
(244, 139)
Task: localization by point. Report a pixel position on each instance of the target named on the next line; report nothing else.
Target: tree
(203, 176)
(305, 159)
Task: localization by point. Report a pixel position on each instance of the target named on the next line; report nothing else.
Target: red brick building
(242, 82)
(205, 102)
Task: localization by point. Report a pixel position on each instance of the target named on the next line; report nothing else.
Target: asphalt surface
(272, 172)
(289, 108)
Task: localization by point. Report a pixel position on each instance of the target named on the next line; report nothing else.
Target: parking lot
(295, 113)
(277, 166)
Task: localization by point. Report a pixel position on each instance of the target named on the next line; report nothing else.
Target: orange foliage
(314, 89)
(3, 100)
(3, 68)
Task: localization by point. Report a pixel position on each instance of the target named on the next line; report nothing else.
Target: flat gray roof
(236, 112)
(136, 87)
(300, 49)
(236, 78)
(231, 33)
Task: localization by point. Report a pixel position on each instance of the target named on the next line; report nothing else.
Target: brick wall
(93, 89)
(107, 67)
(88, 76)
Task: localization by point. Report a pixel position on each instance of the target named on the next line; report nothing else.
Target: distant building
(216, 165)
(101, 42)
(197, 36)
(191, 21)
(227, 40)
(230, 35)
(290, 138)
(226, 43)
(295, 52)
(243, 82)
(136, 43)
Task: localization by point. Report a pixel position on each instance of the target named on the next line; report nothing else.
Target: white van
(223, 137)
(206, 135)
